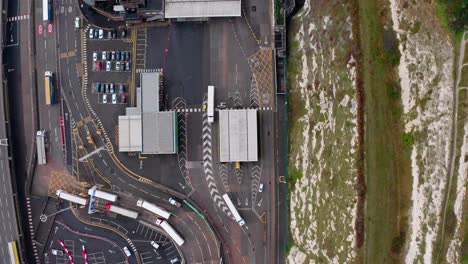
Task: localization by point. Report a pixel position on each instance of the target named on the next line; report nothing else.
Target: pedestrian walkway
(199, 110)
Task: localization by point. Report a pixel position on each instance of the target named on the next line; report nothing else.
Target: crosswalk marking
(17, 18)
(198, 110)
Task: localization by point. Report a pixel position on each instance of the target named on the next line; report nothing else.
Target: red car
(124, 98)
(99, 66)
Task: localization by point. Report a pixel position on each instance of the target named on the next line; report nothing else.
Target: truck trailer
(210, 106)
(71, 197)
(121, 211)
(170, 231)
(103, 195)
(233, 210)
(153, 208)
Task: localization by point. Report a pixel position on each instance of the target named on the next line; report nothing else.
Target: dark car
(98, 87)
(117, 55)
(112, 88)
(121, 88)
(106, 88)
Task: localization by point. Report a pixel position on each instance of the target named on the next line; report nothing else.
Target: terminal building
(238, 135)
(139, 11)
(145, 128)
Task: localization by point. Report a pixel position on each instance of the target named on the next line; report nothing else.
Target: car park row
(111, 34)
(114, 61)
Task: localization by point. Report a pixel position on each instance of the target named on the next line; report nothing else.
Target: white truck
(170, 231)
(103, 195)
(153, 208)
(210, 106)
(121, 211)
(71, 197)
(233, 209)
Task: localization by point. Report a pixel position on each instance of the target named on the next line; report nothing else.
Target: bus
(41, 153)
(46, 10)
(49, 88)
(210, 105)
(13, 250)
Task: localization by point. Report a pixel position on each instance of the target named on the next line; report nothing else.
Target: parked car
(174, 202)
(99, 66)
(128, 55)
(109, 34)
(154, 244)
(98, 87)
(57, 252)
(112, 55)
(117, 66)
(127, 66)
(174, 260)
(106, 88)
(104, 98)
(123, 56)
(104, 55)
(260, 187)
(117, 55)
(101, 34)
(108, 66)
(94, 56)
(123, 33)
(124, 98)
(91, 33)
(127, 252)
(114, 98)
(121, 88)
(96, 35)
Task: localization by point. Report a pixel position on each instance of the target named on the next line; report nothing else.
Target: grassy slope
(386, 160)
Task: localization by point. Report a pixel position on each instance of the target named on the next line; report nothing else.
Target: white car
(104, 55)
(57, 252)
(104, 98)
(91, 33)
(94, 56)
(260, 187)
(174, 260)
(77, 22)
(108, 66)
(155, 245)
(127, 252)
(114, 98)
(101, 34)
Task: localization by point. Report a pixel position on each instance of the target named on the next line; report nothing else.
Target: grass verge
(387, 167)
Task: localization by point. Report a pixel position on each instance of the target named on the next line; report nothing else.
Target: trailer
(233, 210)
(121, 211)
(153, 208)
(71, 197)
(103, 195)
(40, 142)
(170, 231)
(210, 106)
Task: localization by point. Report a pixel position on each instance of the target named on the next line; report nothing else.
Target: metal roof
(159, 133)
(149, 82)
(238, 135)
(130, 133)
(202, 8)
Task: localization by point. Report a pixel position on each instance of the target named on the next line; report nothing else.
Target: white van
(154, 244)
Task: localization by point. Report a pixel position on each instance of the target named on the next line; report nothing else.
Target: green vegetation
(408, 139)
(453, 14)
(294, 176)
(387, 167)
